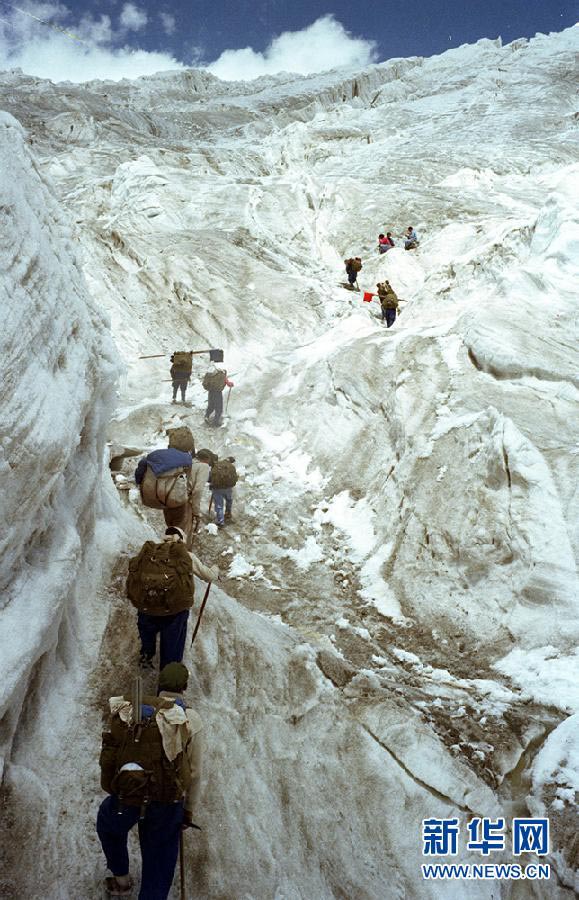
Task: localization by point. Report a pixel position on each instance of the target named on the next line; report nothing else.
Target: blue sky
(114, 38)
(428, 27)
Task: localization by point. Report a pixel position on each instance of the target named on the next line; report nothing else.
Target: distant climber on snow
(181, 366)
(385, 242)
(223, 479)
(388, 301)
(150, 765)
(164, 479)
(161, 588)
(410, 239)
(214, 382)
(353, 266)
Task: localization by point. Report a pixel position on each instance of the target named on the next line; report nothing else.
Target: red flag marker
(368, 297)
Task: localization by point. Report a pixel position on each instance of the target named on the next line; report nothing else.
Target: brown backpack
(387, 295)
(209, 455)
(181, 438)
(170, 490)
(182, 363)
(160, 579)
(223, 474)
(214, 381)
(156, 779)
(357, 265)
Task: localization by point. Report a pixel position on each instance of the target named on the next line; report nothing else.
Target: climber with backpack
(181, 367)
(388, 301)
(214, 382)
(150, 765)
(160, 586)
(353, 266)
(200, 472)
(164, 480)
(222, 481)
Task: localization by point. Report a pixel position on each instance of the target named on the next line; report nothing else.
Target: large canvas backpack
(166, 491)
(134, 765)
(181, 438)
(160, 579)
(223, 474)
(182, 362)
(387, 295)
(214, 381)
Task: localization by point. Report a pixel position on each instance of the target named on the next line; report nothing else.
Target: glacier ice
(419, 485)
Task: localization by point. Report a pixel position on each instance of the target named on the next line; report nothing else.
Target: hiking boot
(114, 889)
(228, 517)
(146, 661)
(174, 400)
(221, 524)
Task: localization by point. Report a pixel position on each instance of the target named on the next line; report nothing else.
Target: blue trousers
(214, 405)
(221, 496)
(181, 384)
(389, 315)
(158, 836)
(173, 631)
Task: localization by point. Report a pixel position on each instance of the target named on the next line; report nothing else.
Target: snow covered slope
(409, 504)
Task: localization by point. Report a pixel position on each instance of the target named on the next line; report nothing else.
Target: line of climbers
(389, 300)
(214, 381)
(151, 754)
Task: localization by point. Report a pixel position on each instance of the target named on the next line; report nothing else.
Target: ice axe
(182, 867)
(198, 623)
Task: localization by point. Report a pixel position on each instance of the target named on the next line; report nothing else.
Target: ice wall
(58, 368)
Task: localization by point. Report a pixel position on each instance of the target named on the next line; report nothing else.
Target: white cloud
(324, 45)
(92, 48)
(84, 53)
(95, 31)
(168, 22)
(58, 60)
(133, 19)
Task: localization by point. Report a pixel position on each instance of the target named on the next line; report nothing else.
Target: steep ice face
(58, 373)
(409, 501)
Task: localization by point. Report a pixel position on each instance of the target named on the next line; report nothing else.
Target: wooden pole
(194, 352)
(201, 613)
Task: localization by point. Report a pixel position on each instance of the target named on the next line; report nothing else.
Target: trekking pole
(227, 401)
(193, 352)
(182, 866)
(137, 700)
(210, 505)
(201, 613)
